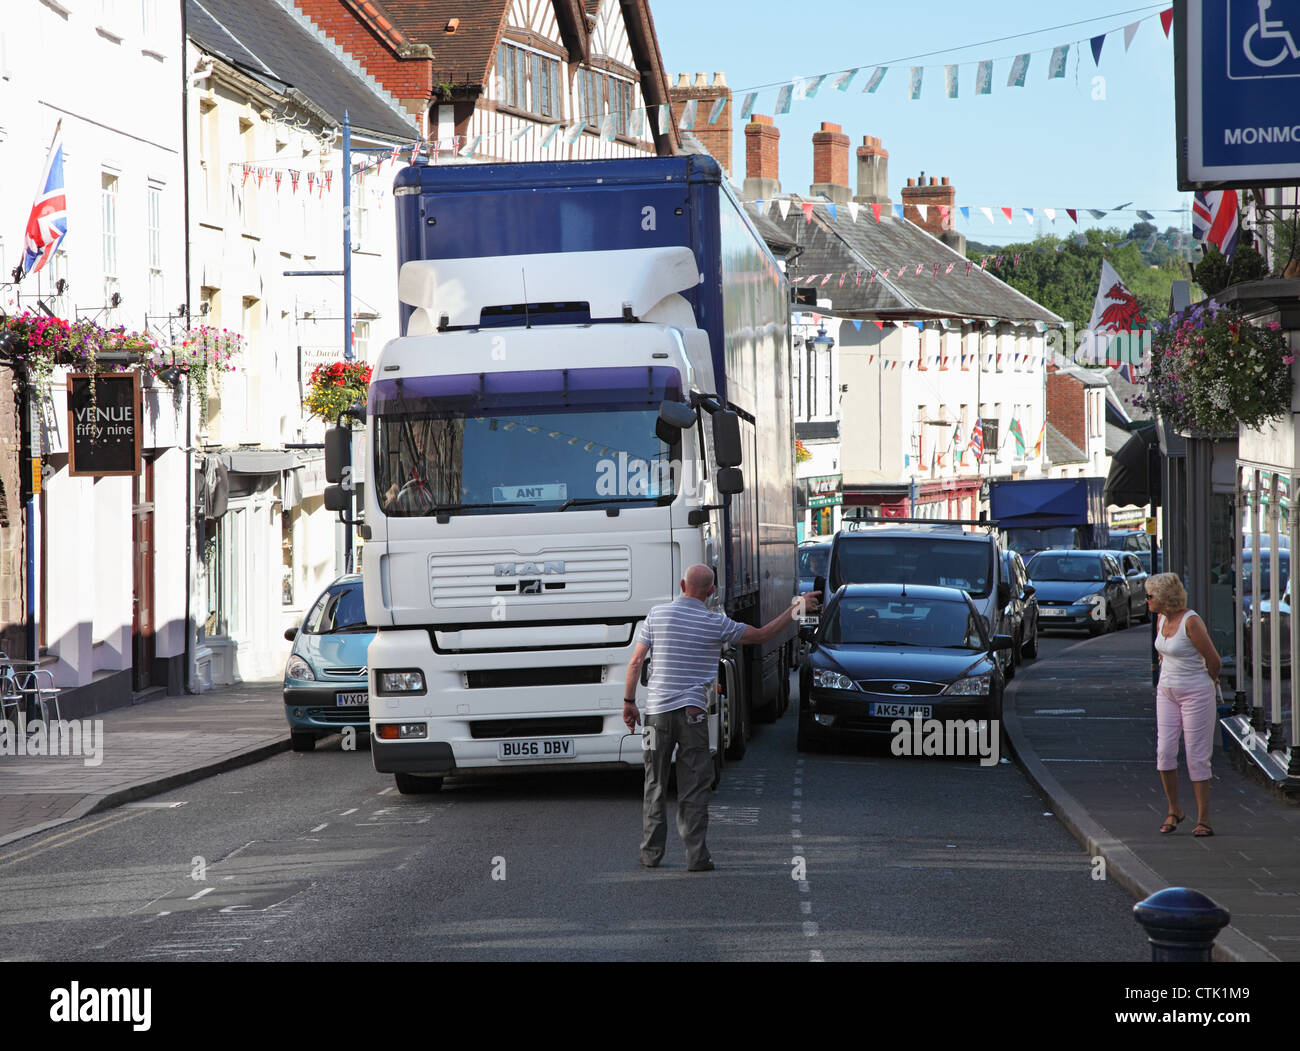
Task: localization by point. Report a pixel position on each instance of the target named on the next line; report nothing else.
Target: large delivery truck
(1036, 514)
(590, 395)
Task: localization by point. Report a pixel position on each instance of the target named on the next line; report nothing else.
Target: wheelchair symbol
(1272, 38)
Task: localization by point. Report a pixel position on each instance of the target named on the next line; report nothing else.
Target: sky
(1101, 136)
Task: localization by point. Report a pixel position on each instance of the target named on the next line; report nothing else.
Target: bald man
(686, 639)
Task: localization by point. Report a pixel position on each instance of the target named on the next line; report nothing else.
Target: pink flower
(1273, 326)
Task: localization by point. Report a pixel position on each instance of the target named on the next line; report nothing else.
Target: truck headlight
(971, 686)
(832, 680)
(390, 682)
(297, 668)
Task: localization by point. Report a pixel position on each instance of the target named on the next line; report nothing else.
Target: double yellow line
(62, 839)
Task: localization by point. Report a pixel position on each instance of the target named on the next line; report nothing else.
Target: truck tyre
(762, 709)
(302, 742)
(739, 728)
(415, 785)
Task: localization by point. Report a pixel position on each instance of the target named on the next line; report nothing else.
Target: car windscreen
(341, 608)
(812, 561)
(1248, 571)
(931, 561)
(893, 620)
(1078, 568)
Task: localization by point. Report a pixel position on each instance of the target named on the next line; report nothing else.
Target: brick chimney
(716, 138)
(831, 164)
(873, 172)
(932, 195)
(762, 158)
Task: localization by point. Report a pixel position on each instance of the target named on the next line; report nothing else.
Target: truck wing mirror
(677, 414)
(726, 439)
(730, 481)
(337, 498)
(338, 453)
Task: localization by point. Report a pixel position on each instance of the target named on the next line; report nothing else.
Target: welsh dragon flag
(1018, 436)
(1114, 331)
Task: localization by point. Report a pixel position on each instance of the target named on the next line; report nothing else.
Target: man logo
(901, 687)
(526, 569)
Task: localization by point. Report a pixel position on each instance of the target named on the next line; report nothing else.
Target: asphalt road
(317, 857)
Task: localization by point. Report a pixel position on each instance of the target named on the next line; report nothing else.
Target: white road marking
(205, 890)
(809, 928)
(385, 791)
(323, 825)
(805, 907)
(798, 791)
(795, 833)
(347, 812)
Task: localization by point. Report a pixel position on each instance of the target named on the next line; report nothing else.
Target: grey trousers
(694, 785)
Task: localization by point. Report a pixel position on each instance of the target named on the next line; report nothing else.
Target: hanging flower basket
(336, 387)
(1211, 370)
(801, 454)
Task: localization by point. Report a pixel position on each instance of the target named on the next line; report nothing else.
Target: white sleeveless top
(1181, 664)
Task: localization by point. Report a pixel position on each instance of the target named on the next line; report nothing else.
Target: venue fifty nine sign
(104, 424)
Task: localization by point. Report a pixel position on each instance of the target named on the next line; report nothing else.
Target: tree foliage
(1062, 274)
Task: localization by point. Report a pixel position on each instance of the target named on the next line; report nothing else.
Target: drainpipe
(189, 401)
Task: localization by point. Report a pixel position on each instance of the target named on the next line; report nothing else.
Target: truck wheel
(302, 742)
(739, 729)
(415, 785)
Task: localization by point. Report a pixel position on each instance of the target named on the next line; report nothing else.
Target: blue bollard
(1181, 925)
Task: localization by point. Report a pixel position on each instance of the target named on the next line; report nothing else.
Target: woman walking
(1185, 698)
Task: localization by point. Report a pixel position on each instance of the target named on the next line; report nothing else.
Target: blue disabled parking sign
(1238, 72)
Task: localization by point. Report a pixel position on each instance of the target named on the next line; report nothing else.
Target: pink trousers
(1191, 713)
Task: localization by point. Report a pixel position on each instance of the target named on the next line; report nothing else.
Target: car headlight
(971, 686)
(297, 668)
(1093, 600)
(409, 681)
(832, 680)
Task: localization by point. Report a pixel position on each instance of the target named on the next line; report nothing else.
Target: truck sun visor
(605, 388)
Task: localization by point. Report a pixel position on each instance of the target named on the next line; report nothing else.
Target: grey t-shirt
(685, 640)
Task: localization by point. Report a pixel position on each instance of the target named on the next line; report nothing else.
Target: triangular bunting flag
(1029, 215)
(1097, 43)
(875, 210)
(898, 211)
(1007, 213)
(1050, 213)
(278, 176)
(784, 206)
(988, 213)
(831, 208)
(1167, 19)
(1130, 31)
(1073, 213)
(965, 212)
(923, 210)
(854, 208)
(294, 176)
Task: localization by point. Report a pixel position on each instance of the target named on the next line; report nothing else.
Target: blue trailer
(1035, 514)
(549, 310)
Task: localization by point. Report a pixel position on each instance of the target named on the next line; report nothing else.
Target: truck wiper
(448, 508)
(587, 501)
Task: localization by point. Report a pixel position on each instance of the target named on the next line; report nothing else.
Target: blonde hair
(1168, 589)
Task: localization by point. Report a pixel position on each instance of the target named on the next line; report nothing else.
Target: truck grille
(502, 678)
(547, 577)
(488, 728)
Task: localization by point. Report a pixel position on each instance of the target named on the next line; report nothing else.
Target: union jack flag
(976, 445)
(47, 226)
(1214, 219)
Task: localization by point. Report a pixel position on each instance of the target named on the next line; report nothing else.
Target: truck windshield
(523, 442)
(962, 564)
(1030, 541)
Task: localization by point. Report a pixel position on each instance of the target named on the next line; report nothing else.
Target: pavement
(144, 750)
(1081, 724)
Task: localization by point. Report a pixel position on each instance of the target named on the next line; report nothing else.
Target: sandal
(1171, 823)
(1202, 830)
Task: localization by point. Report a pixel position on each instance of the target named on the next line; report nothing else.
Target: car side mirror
(1004, 593)
(806, 632)
(1004, 642)
(1030, 591)
(290, 634)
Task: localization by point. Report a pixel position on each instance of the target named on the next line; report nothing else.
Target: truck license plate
(356, 699)
(556, 748)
